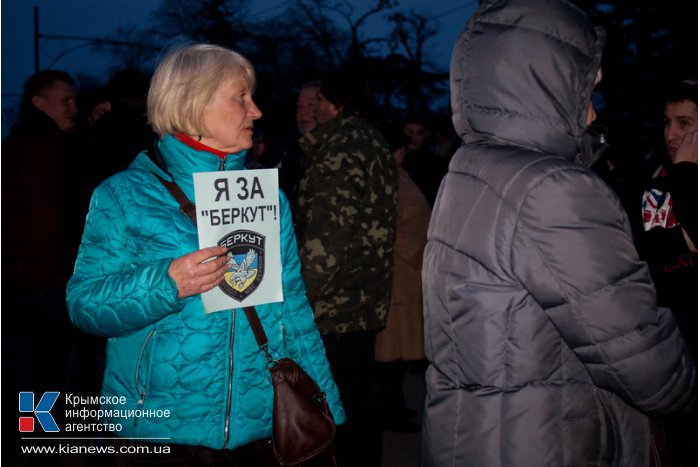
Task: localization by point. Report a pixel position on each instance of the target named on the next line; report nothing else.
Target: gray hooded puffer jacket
(545, 344)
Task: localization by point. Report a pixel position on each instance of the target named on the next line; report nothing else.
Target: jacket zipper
(227, 430)
(230, 381)
(141, 391)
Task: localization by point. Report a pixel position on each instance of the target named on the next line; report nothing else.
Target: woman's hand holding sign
(193, 274)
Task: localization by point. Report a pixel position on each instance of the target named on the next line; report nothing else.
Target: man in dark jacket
(545, 344)
(346, 214)
(35, 241)
(37, 249)
(670, 213)
(669, 238)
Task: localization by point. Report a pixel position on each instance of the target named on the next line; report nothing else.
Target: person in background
(425, 168)
(401, 342)
(307, 103)
(545, 342)
(345, 225)
(669, 212)
(669, 215)
(95, 103)
(118, 135)
(417, 134)
(446, 141)
(140, 274)
(37, 251)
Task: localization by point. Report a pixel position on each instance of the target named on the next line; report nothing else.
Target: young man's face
(58, 102)
(415, 131)
(680, 118)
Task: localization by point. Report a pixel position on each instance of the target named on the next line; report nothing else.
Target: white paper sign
(239, 209)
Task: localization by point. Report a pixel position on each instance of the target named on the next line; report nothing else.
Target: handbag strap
(256, 325)
(258, 332)
(186, 206)
(190, 210)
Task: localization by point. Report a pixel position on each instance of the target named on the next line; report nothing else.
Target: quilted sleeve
(111, 293)
(573, 252)
(303, 338)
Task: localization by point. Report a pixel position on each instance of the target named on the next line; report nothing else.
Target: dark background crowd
(649, 46)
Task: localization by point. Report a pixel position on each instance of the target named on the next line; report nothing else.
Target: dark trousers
(359, 439)
(390, 377)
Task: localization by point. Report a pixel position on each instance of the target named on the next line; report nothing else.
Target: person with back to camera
(139, 276)
(545, 343)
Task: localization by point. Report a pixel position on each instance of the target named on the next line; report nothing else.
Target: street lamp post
(86, 41)
(36, 39)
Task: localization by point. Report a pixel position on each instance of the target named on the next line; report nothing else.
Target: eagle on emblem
(241, 271)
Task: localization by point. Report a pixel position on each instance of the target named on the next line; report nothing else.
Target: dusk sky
(100, 18)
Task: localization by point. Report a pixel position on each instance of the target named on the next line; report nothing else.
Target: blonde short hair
(184, 82)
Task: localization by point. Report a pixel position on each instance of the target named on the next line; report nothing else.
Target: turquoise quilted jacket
(173, 371)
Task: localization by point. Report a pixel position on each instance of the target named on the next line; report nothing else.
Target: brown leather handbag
(302, 423)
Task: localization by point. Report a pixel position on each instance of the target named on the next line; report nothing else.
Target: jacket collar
(36, 120)
(182, 161)
(311, 141)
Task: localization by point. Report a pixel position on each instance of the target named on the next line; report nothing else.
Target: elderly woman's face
(229, 116)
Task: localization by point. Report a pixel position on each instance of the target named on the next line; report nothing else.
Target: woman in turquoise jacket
(173, 371)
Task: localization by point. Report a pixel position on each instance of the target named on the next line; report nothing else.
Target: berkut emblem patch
(246, 263)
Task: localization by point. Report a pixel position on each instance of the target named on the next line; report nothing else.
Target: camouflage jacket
(345, 224)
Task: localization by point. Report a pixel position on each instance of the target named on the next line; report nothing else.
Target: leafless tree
(318, 13)
(305, 38)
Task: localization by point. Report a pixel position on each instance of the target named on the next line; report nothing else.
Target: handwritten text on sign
(240, 210)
